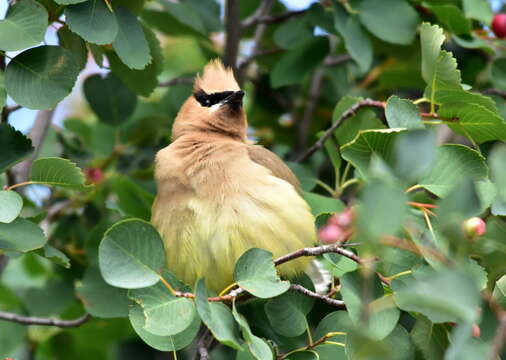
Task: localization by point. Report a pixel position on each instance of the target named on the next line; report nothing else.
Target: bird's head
(215, 106)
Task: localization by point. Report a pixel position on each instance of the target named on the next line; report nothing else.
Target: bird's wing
(271, 161)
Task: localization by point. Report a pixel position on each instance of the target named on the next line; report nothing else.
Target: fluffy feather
(214, 201)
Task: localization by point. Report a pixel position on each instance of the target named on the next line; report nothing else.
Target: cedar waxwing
(218, 195)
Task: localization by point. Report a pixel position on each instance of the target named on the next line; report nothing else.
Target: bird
(219, 194)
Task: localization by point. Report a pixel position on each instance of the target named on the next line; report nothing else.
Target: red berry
(330, 234)
(343, 219)
(94, 175)
(474, 227)
(499, 25)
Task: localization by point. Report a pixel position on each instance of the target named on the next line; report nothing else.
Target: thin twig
(348, 113)
(246, 61)
(333, 60)
(33, 320)
(324, 298)
(493, 91)
(232, 32)
(273, 19)
(177, 81)
(316, 251)
(320, 341)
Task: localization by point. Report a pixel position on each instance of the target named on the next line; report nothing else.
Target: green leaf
(443, 296)
(255, 272)
(498, 73)
(297, 63)
(454, 164)
(340, 265)
(130, 43)
(24, 26)
(165, 314)
(430, 338)
(431, 39)
(16, 337)
(337, 321)
(109, 98)
(131, 254)
(217, 317)
(53, 254)
(3, 92)
(58, 172)
(40, 77)
(143, 81)
(464, 346)
(356, 40)
(287, 312)
(185, 14)
(21, 235)
(497, 162)
(368, 142)
(292, 33)
(50, 299)
(93, 21)
(453, 18)
(99, 298)
(74, 44)
(499, 293)
(323, 204)
(10, 205)
(69, 2)
(415, 153)
(381, 322)
(479, 10)
(257, 347)
(162, 343)
(402, 113)
(133, 200)
(398, 27)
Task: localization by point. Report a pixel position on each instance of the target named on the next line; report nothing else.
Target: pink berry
(474, 227)
(94, 175)
(330, 234)
(343, 219)
(499, 25)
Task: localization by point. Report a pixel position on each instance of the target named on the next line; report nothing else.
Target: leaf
(454, 164)
(40, 77)
(430, 338)
(479, 10)
(402, 113)
(185, 14)
(69, 2)
(497, 162)
(3, 93)
(130, 43)
(144, 81)
(499, 293)
(337, 321)
(356, 40)
(442, 296)
(217, 317)
(93, 21)
(131, 254)
(165, 314)
(381, 322)
(287, 312)
(162, 343)
(415, 153)
(74, 44)
(297, 63)
(368, 142)
(99, 298)
(452, 17)
(53, 254)
(257, 347)
(498, 73)
(24, 26)
(133, 200)
(292, 33)
(255, 272)
(431, 39)
(10, 205)
(58, 172)
(398, 27)
(323, 204)
(109, 98)
(50, 299)
(21, 235)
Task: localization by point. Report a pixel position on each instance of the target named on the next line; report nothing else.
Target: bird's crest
(216, 78)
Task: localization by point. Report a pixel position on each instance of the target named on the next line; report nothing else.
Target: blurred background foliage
(114, 74)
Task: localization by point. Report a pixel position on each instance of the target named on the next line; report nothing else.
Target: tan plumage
(218, 195)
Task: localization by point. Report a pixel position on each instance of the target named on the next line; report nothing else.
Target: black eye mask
(209, 100)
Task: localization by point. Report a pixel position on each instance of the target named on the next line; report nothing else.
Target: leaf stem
(12, 187)
(398, 275)
(326, 187)
(227, 289)
(414, 187)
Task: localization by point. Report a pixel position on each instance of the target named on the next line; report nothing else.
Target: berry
(474, 227)
(499, 25)
(94, 175)
(330, 234)
(343, 219)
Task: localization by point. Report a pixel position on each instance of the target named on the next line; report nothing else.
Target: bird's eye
(209, 100)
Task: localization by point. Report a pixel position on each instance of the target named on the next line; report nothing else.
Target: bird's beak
(234, 100)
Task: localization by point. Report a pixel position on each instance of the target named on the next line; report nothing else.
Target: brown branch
(499, 339)
(32, 320)
(320, 341)
(176, 81)
(333, 60)
(319, 250)
(232, 32)
(348, 113)
(324, 298)
(246, 61)
(273, 19)
(493, 91)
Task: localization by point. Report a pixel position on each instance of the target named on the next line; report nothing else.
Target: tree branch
(324, 298)
(32, 320)
(176, 81)
(348, 113)
(493, 91)
(258, 18)
(232, 32)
